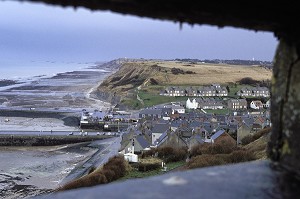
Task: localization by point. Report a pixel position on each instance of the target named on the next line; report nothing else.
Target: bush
(205, 161)
(110, 175)
(196, 150)
(241, 156)
(150, 153)
(170, 154)
(247, 139)
(248, 80)
(115, 168)
(224, 147)
(261, 133)
(148, 166)
(250, 138)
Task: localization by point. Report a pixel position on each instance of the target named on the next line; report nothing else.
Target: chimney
(132, 149)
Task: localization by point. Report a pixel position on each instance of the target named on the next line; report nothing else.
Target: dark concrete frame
(279, 17)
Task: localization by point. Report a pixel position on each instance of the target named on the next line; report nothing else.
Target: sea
(27, 70)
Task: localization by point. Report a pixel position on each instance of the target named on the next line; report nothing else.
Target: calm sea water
(22, 70)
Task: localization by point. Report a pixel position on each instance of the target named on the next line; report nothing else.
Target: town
(188, 123)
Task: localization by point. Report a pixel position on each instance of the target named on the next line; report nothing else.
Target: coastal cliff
(122, 83)
(151, 76)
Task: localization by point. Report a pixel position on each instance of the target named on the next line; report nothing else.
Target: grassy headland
(147, 78)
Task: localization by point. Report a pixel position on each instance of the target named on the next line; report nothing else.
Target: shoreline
(32, 178)
(52, 104)
(40, 170)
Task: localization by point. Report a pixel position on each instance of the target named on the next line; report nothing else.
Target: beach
(49, 104)
(30, 171)
(25, 105)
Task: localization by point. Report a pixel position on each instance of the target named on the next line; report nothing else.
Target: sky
(39, 32)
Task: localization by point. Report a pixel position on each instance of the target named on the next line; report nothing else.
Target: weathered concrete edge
(246, 180)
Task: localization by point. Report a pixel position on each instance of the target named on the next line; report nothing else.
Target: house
(137, 144)
(260, 92)
(243, 131)
(171, 139)
(256, 104)
(184, 131)
(244, 92)
(177, 109)
(175, 91)
(219, 91)
(151, 113)
(195, 140)
(191, 104)
(172, 109)
(209, 103)
(195, 125)
(236, 104)
(220, 137)
(190, 91)
(267, 104)
(204, 103)
(254, 92)
(158, 130)
(175, 124)
(205, 91)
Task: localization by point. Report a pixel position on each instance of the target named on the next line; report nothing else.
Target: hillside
(149, 75)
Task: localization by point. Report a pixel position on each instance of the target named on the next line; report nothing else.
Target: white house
(178, 109)
(191, 104)
(256, 105)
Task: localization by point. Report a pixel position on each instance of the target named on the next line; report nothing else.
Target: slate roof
(217, 134)
(198, 138)
(151, 111)
(162, 137)
(142, 141)
(160, 128)
(195, 124)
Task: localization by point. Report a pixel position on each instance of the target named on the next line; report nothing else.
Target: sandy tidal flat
(33, 124)
(29, 171)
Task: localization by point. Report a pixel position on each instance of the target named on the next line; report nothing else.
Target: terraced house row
(254, 92)
(215, 90)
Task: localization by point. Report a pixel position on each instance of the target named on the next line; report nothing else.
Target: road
(110, 149)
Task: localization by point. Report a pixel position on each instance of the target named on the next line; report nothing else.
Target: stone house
(219, 137)
(237, 104)
(151, 113)
(243, 131)
(195, 140)
(158, 130)
(171, 139)
(254, 92)
(139, 142)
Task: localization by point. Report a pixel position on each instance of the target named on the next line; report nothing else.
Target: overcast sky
(38, 32)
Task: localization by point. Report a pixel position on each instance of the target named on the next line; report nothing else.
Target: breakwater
(46, 140)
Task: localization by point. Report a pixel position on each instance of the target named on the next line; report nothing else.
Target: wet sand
(30, 171)
(65, 92)
(62, 91)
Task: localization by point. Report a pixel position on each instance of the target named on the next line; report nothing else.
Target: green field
(150, 97)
